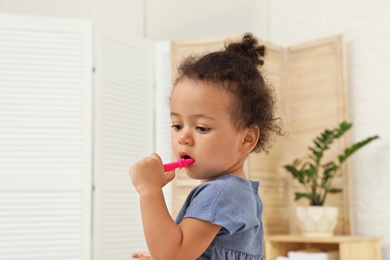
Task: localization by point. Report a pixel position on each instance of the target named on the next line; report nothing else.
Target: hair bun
(249, 48)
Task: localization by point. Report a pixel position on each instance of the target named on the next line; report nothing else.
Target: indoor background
(364, 24)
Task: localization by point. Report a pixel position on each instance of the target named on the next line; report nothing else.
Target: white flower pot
(317, 221)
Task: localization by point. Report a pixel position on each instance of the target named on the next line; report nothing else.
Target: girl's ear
(250, 138)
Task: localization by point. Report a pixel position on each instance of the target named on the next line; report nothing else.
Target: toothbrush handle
(178, 164)
(171, 166)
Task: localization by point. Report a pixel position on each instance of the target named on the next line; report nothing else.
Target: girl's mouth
(183, 155)
(186, 157)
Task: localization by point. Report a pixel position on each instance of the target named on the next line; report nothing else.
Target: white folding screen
(58, 120)
(162, 122)
(123, 135)
(45, 138)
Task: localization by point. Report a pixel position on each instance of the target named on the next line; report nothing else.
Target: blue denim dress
(234, 204)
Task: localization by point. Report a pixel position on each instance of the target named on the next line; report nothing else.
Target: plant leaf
(334, 190)
(300, 195)
(297, 174)
(317, 177)
(355, 147)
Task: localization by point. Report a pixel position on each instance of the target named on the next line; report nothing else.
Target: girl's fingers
(141, 255)
(169, 176)
(156, 156)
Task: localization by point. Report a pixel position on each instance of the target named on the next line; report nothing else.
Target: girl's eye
(177, 127)
(202, 129)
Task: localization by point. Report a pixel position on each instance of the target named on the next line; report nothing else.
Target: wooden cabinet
(349, 247)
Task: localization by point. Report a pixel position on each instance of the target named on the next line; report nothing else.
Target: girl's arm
(166, 239)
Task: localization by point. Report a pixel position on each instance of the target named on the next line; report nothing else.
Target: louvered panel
(163, 83)
(41, 225)
(317, 93)
(123, 135)
(267, 168)
(273, 195)
(309, 81)
(43, 92)
(45, 130)
(163, 91)
(117, 225)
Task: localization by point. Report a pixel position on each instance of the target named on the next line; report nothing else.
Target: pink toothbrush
(178, 164)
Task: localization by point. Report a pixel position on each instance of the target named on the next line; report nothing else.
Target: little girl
(221, 111)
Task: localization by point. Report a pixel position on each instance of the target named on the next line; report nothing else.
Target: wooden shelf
(349, 247)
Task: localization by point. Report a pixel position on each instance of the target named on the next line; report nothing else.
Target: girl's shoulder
(228, 182)
(225, 187)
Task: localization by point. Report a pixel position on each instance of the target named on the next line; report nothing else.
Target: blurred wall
(125, 16)
(176, 19)
(155, 19)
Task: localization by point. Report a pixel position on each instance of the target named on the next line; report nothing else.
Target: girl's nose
(185, 138)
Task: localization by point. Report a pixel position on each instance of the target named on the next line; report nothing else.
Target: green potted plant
(316, 178)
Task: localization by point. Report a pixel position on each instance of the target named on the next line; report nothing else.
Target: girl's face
(202, 129)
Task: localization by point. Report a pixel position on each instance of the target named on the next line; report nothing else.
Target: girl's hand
(141, 256)
(149, 174)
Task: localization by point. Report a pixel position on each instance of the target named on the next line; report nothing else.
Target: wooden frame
(310, 86)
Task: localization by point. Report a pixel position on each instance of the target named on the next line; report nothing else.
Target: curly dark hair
(235, 70)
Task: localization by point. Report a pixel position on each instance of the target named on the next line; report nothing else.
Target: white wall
(155, 19)
(365, 25)
(124, 15)
(177, 19)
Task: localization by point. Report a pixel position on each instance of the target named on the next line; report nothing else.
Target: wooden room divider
(310, 85)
